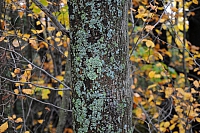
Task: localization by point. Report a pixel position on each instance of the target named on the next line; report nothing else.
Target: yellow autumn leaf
(149, 43)
(14, 116)
(9, 118)
(34, 31)
(15, 43)
(30, 66)
(18, 127)
(152, 86)
(160, 56)
(152, 74)
(172, 127)
(181, 130)
(48, 38)
(2, 38)
(8, 1)
(168, 92)
(17, 84)
(157, 76)
(16, 91)
(149, 28)
(166, 124)
(40, 121)
(4, 127)
(27, 73)
(163, 129)
(60, 77)
(30, 15)
(60, 43)
(26, 37)
(196, 84)
(180, 26)
(45, 93)
(60, 93)
(18, 120)
(28, 91)
(179, 43)
(197, 119)
(132, 58)
(59, 33)
(38, 23)
(51, 28)
(174, 9)
(33, 43)
(150, 98)
(39, 113)
(57, 39)
(138, 112)
(13, 74)
(155, 115)
(23, 78)
(17, 70)
(43, 44)
(66, 53)
(195, 2)
(20, 13)
(187, 96)
(26, 132)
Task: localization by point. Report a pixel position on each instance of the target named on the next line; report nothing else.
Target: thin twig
(53, 18)
(23, 95)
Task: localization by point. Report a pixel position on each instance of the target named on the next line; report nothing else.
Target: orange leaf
(18, 127)
(149, 28)
(196, 84)
(136, 98)
(30, 66)
(195, 1)
(197, 119)
(17, 70)
(21, 13)
(68, 130)
(13, 74)
(28, 91)
(4, 127)
(43, 44)
(16, 91)
(18, 120)
(33, 43)
(66, 53)
(40, 121)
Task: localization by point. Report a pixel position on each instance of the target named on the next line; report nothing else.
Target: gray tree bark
(102, 100)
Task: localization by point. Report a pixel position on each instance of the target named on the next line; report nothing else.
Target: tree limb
(52, 17)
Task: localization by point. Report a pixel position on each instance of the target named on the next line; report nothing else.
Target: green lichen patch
(93, 68)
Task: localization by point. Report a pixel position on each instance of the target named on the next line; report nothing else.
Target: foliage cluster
(165, 67)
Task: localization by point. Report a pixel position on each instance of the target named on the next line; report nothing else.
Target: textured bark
(100, 77)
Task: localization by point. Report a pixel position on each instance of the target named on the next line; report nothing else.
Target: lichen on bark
(99, 50)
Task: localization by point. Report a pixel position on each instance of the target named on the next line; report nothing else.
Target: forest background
(36, 69)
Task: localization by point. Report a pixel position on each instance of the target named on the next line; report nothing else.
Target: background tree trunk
(102, 100)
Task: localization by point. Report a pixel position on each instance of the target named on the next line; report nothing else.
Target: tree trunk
(102, 99)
